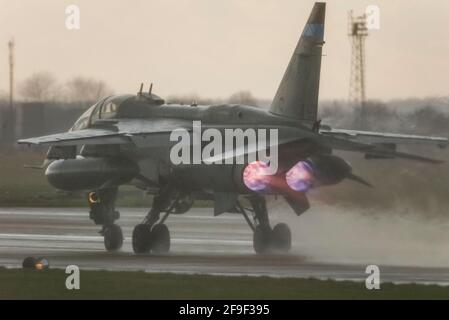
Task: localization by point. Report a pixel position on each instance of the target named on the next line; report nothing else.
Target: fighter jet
(132, 139)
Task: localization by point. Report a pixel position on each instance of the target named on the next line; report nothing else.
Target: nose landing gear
(102, 212)
(113, 237)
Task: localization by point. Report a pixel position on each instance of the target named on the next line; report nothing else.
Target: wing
(384, 138)
(115, 131)
(87, 136)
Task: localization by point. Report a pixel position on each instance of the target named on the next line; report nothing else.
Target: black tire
(281, 237)
(142, 239)
(29, 263)
(261, 240)
(113, 238)
(160, 238)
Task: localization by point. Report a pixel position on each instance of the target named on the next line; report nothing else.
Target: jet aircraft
(125, 139)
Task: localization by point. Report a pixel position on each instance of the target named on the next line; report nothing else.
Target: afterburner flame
(300, 177)
(256, 176)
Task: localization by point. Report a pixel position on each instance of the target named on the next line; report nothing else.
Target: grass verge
(50, 284)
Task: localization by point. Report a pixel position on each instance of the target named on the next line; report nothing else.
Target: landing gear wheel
(142, 239)
(261, 240)
(113, 237)
(281, 237)
(160, 238)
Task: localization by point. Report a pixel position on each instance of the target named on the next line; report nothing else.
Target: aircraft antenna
(141, 88)
(357, 33)
(151, 89)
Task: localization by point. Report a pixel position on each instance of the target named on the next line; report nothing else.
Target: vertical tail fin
(297, 95)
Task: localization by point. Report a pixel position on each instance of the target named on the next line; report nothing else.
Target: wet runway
(201, 243)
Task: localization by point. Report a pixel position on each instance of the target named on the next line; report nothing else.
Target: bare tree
(40, 86)
(86, 89)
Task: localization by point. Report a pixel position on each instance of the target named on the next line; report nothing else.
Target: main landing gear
(152, 235)
(265, 238)
(102, 212)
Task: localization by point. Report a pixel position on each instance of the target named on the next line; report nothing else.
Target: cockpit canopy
(117, 106)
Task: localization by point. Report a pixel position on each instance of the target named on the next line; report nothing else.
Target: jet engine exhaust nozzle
(256, 176)
(322, 170)
(301, 176)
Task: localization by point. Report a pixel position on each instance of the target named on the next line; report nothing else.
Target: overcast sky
(214, 48)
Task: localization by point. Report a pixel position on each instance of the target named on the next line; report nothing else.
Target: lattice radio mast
(357, 33)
